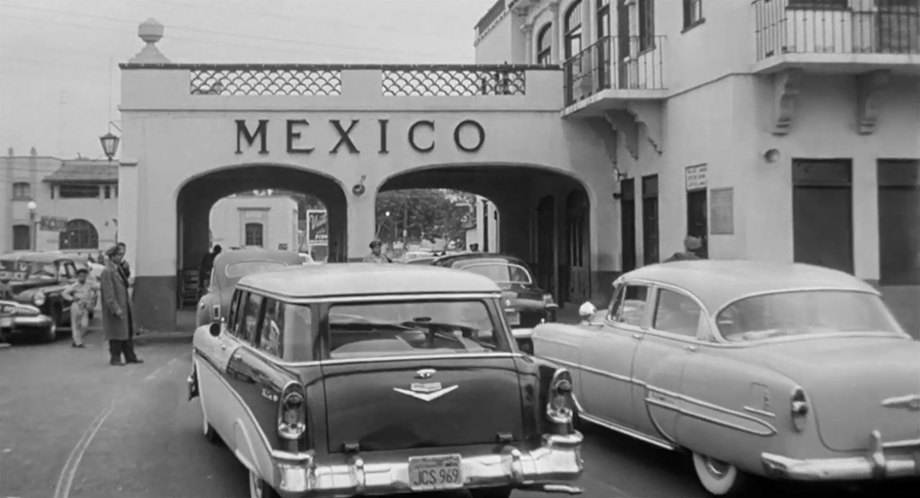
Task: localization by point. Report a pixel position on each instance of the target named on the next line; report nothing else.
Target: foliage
(423, 213)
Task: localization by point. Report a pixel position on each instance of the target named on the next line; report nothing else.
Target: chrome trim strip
(554, 341)
(378, 359)
(760, 412)
(910, 401)
(627, 431)
(770, 429)
(404, 296)
(603, 373)
(905, 443)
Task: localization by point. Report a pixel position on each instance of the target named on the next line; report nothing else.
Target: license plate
(514, 318)
(431, 473)
(6, 322)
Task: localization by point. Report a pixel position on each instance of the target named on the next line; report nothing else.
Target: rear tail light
(799, 409)
(292, 412)
(560, 407)
(548, 301)
(215, 312)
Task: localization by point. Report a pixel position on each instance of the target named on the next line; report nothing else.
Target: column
(558, 52)
(527, 31)
(362, 222)
(127, 210)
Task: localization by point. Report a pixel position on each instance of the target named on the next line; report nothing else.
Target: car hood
(25, 285)
(853, 385)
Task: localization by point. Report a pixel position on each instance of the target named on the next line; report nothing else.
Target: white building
(80, 195)
(267, 221)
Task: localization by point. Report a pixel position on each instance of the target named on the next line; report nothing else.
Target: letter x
(343, 136)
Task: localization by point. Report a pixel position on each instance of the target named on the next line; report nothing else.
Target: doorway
(628, 223)
(650, 251)
(822, 213)
(898, 220)
(697, 219)
(546, 238)
(578, 288)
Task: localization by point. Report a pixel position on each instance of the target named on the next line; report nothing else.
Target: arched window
(603, 19)
(545, 45)
(80, 234)
(572, 26)
(253, 234)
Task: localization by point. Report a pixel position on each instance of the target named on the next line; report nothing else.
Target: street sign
(53, 224)
(696, 177)
(317, 227)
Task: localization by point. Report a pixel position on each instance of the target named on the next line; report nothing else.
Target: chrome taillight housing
(215, 312)
(798, 409)
(560, 406)
(292, 412)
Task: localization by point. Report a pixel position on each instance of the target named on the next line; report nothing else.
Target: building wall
(102, 213)
(229, 215)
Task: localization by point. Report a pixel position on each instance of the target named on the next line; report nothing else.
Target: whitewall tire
(717, 477)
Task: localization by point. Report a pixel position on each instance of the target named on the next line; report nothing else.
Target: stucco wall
(227, 219)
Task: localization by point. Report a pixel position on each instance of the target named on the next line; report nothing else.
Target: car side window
(677, 313)
(234, 308)
(248, 326)
(615, 302)
(66, 270)
(271, 339)
(630, 309)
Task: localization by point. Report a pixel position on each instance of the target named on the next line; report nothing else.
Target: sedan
(789, 371)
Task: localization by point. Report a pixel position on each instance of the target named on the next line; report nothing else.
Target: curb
(163, 337)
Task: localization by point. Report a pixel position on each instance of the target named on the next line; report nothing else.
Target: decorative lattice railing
(453, 82)
(266, 81)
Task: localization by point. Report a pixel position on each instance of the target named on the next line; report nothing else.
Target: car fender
(203, 310)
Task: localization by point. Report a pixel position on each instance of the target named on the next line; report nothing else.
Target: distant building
(268, 221)
(76, 203)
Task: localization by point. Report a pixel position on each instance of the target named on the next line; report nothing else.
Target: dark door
(898, 223)
(697, 221)
(546, 239)
(628, 223)
(822, 214)
(22, 239)
(650, 219)
(603, 44)
(577, 244)
(622, 44)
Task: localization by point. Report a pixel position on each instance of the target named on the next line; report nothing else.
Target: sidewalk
(185, 323)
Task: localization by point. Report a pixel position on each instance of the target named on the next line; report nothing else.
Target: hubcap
(717, 468)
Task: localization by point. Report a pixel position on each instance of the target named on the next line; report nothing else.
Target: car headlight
(38, 298)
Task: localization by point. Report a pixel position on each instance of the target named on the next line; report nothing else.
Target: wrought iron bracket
(870, 87)
(634, 118)
(786, 87)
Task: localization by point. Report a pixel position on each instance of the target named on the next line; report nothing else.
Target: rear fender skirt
(702, 410)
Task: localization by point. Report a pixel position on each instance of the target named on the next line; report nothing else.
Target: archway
(79, 234)
(197, 197)
(532, 201)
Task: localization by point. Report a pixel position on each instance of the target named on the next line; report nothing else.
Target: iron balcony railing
(618, 63)
(836, 27)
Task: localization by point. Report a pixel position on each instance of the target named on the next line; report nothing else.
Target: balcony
(614, 69)
(845, 36)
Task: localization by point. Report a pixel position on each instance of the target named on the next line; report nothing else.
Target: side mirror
(586, 310)
(215, 328)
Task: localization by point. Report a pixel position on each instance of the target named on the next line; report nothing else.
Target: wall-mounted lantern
(618, 177)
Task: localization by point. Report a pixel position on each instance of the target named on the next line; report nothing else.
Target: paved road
(73, 426)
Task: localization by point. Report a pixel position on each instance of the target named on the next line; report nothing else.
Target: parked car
(525, 304)
(24, 319)
(352, 378)
(38, 279)
(790, 371)
(229, 267)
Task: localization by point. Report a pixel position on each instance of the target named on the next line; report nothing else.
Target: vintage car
(25, 319)
(525, 304)
(789, 371)
(38, 279)
(361, 379)
(229, 267)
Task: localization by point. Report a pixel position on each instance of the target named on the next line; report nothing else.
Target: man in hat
(376, 255)
(82, 297)
(117, 310)
(691, 245)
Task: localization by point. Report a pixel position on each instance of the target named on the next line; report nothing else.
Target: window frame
(646, 33)
(69, 191)
(250, 341)
(702, 334)
(643, 324)
(267, 302)
(690, 9)
(22, 191)
(572, 31)
(87, 236)
(544, 52)
(603, 13)
(246, 228)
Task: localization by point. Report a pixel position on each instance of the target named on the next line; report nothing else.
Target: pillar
(362, 222)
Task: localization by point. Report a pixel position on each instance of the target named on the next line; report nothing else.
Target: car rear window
(243, 268)
(420, 327)
(500, 272)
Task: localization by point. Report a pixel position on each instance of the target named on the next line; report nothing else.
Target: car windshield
(800, 313)
(243, 268)
(417, 327)
(501, 272)
(28, 270)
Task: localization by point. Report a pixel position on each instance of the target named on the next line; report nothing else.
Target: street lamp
(109, 144)
(33, 207)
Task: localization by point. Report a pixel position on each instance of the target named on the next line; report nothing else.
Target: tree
(422, 213)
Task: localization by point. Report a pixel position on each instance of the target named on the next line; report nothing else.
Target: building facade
(780, 130)
(75, 204)
(266, 221)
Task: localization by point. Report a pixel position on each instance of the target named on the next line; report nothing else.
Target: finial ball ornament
(150, 31)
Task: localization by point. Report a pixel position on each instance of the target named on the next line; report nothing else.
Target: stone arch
(79, 234)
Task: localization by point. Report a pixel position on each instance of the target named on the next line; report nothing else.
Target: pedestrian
(6, 293)
(117, 310)
(691, 246)
(376, 255)
(82, 296)
(207, 264)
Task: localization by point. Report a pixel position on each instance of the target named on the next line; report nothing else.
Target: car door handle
(237, 356)
(637, 336)
(690, 348)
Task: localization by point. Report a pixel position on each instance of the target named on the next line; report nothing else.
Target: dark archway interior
(198, 196)
(556, 252)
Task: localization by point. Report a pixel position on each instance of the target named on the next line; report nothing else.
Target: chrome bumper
(546, 468)
(35, 321)
(903, 461)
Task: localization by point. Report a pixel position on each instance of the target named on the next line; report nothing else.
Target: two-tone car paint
(508, 434)
(42, 293)
(777, 407)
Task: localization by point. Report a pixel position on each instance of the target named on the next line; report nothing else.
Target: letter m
(243, 133)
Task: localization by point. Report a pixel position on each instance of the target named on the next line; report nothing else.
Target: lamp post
(33, 207)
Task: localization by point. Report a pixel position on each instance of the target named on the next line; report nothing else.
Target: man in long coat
(117, 310)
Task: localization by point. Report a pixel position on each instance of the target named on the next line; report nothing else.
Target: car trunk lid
(856, 385)
(422, 402)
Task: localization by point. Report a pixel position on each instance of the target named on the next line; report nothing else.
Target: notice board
(721, 211)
